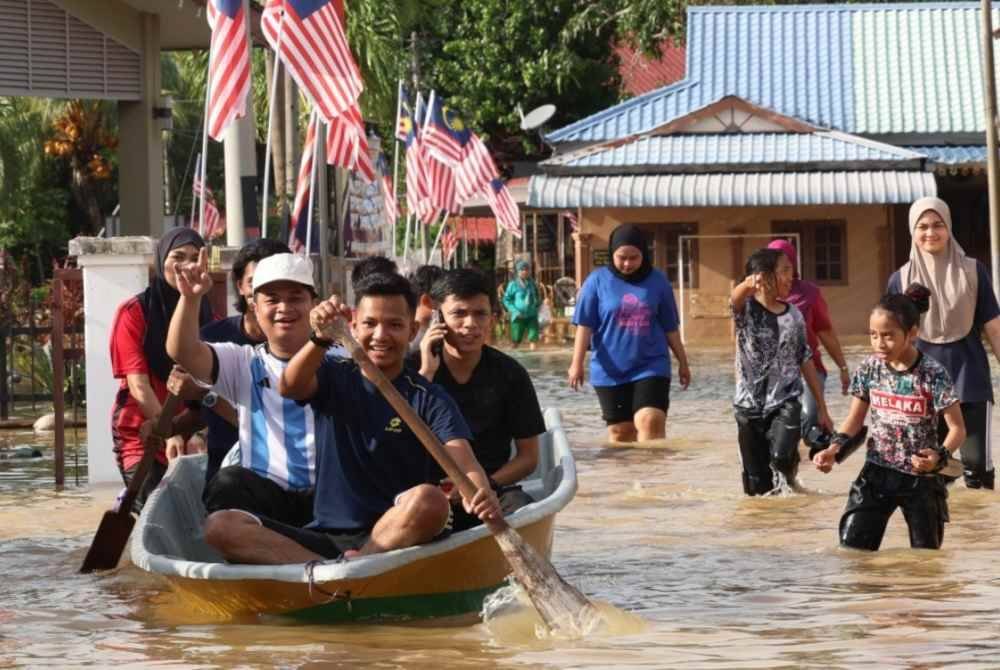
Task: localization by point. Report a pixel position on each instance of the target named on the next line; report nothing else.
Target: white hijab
(950, 275)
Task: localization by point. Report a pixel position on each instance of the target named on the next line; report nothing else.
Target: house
(819, 123)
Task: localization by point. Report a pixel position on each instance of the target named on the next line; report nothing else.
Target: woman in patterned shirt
(907, 392)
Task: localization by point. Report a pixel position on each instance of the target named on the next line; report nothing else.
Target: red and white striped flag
(215, 224)
(229, 75)
(391, 206)
(300, 215)
(449, 243)
(574, 224)
(475, 169)
(314, 49)
(442, 189)
(347, 144)
(504, 208)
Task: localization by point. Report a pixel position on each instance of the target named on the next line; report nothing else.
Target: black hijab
(159, 300)
(630, 235)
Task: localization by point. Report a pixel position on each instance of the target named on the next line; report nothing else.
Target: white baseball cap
(283, 267)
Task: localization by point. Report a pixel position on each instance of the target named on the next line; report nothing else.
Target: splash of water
(511, 620)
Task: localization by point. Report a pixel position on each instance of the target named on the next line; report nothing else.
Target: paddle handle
(161, 431)
(423, 432)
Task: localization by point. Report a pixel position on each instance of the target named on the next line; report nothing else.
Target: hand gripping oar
(561, 606)
(116, 525)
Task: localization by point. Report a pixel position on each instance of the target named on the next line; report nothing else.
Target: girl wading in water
(962, 308)
(907, 393)
(627, 316)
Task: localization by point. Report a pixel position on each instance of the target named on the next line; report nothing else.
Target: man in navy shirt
(376, 486)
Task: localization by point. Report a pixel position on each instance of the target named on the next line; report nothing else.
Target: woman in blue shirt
(627, 316)
(963, 308)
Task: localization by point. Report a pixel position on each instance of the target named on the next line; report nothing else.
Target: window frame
(807, 231)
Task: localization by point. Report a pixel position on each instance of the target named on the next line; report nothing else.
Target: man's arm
(484, 505)
(184, 343)
(298, 380)
(523, 464)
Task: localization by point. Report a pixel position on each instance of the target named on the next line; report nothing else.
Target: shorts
(769, 445)
(876, 494)
(512, 498)
(619, 404)
(236, 487)
(327, 542)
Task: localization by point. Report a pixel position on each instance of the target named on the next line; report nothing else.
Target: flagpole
(204, 145)
(312, 184)
(395, 165)
(270, 123)
(444, 220)
(406, 236)
(194, 191)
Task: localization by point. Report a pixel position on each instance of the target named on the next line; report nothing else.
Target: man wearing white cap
(277, 472)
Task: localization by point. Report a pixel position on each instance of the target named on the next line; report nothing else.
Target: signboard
(599, 258)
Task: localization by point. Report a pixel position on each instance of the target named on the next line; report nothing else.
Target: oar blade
(562, 607)
(109, 542)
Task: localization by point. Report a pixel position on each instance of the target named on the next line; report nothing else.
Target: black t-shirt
(498, 402)
(222, 435)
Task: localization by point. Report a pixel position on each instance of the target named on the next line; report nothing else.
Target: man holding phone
(493, 391)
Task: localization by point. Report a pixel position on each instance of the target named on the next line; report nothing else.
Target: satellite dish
(536, 117)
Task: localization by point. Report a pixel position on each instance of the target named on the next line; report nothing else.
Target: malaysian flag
(418, 200)
(475, 170)
(391, 206)
(442, 188)
(347, 144)
(444, 134)
(574, 224)
(315, 51)
(298, 224)
(229, 73)
(404, 115)
(215, 225)
(504, 208)
(449, 243)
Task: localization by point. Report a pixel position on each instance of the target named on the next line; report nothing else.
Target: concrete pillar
(140, 172)
(114, 270)
(583, 260)
(241, 173)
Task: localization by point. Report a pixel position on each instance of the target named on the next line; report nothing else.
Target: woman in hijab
(140, 362)
(627, 316)
(808, 298)
(521, 301)
(962, 307)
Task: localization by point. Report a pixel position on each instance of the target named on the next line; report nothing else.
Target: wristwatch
(209, 399)
(323, 342)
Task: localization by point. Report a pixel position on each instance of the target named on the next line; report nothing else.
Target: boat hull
(436, 586)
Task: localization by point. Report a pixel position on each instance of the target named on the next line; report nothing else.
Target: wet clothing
(620, 403)
(153, 477)
(770, 352)
(629, 321)
(499, 404)
(810, 408)
(236, 487)
(969, 367)
(127, 357)
(222, 435)
(369, 455)
(277, 435)
(769, 446)
(904, 406)
(876, 494)
(524, 326)
(977, 449)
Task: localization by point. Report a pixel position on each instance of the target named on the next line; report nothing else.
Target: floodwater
(701, 576)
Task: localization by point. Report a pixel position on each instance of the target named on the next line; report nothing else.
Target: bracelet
(840, 439)
(322, 342)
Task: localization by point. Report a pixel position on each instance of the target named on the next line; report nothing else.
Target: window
(824, 246)
(666, 241)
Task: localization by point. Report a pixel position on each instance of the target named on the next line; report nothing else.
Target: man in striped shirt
(276, 477)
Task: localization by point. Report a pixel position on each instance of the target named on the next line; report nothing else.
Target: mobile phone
(438, 346)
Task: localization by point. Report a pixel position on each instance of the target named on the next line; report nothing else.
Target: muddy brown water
(707, 577)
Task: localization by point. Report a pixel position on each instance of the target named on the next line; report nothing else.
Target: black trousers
(876, 494)
(769, 444)
(236, 487)
(977, 456)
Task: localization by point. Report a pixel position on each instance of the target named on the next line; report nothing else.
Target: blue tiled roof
(711, 150)
(970, 155)
(866, 69)
(754, 189)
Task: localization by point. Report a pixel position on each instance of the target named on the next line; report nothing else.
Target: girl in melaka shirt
(140, 362)
(906, 392)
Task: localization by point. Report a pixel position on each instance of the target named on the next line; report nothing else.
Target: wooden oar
(561, 606)
(116, 525)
